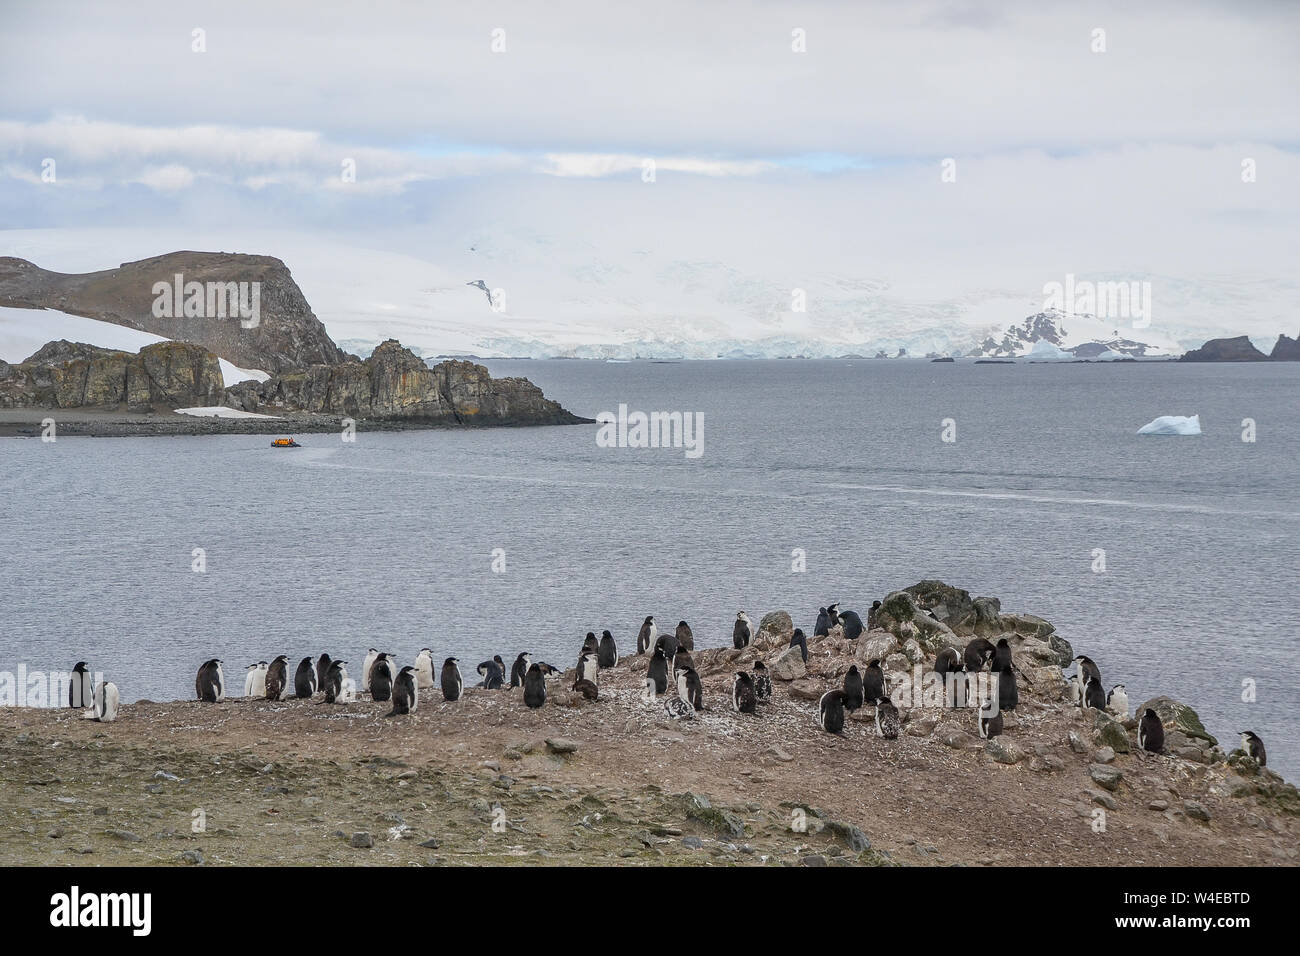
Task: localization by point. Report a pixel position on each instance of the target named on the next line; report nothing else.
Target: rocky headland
(485, 780)
(313, 384)
(1241, 349)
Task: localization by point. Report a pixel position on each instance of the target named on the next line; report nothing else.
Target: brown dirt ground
(290, 782)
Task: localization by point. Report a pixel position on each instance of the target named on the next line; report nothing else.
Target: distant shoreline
(102, 423)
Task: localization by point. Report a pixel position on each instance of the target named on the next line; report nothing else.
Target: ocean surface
(389, 541)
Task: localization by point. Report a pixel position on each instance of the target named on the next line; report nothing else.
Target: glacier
(1172, 425)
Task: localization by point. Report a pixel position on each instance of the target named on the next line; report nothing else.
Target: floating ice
(1172, 425)
(1045, 351)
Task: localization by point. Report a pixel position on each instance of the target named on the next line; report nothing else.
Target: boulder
(1106, 776)
(777, 623)
(1181, 719)
(875, 646)
(1109, 732)
(789, 666)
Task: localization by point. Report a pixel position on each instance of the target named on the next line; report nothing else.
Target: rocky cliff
(287, 334)
(161, 377)
(1286, 349)
(394, 383)
(1238, 349)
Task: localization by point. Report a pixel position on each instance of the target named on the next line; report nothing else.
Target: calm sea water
(389, 541)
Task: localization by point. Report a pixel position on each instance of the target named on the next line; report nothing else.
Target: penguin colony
(670, 675)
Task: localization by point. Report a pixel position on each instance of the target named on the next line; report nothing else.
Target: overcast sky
(1127, 161)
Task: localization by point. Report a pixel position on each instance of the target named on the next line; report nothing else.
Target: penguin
(852, 625)
(1087, 667)
(210, 684)
(830, 712)
(677, 709)
(590, 645)
(873, 681)
(335, 678)
(742, 632)
(588, 668)
(833, 614)
(978, 653)
(549, 670)
(304, 681)
(587, 689)
(534, 687)
(689, 688)
(990, 721)
(669, 644)
(1151, 732)
(348, 692)
(1001, 656)
(1252, 746)
(381, 679)
(947, 662)
(81, 688)
(606, 650)
(406, 692)
(250, 678)
(258, 688)
(1075, 689)
(872, 613)
(887, 722)
(1093, 695)
(368, 663)
(452, 683)
(1008, 690)
(823, 626)
(493, 674)
(762, 683)
(797, 639)
(519, 669)
(104, 703)
(743, 698)
(682, 660)
(684, 636)
(852, 689)
(658, 671)
(645, 638)
(322, 668)
(277, 679)
(424, 669)
(1117, 701)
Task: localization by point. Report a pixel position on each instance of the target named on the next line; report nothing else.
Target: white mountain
(573, 298)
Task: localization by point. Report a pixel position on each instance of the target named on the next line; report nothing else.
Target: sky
(793, 145)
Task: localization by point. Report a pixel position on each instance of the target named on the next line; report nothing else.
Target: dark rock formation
(288, 335)
(163, 376)
(393, 383)
(1287, 349)
(1237, 349)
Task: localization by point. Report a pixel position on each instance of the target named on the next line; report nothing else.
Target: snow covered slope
(23, 331)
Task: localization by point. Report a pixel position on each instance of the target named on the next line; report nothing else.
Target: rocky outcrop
(160, 377)
(287, 334)
(1286, 349)
(394, 383)
(1238, 349)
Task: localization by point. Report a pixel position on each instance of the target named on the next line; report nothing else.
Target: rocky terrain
(1241, 349)
(288, 334)
(311, 378)
(75, 375)
(486, 780)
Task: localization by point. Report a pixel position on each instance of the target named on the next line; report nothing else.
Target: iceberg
(1172, 425)
(1045, 351)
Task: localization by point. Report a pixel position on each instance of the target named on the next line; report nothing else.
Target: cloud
(166, 178)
